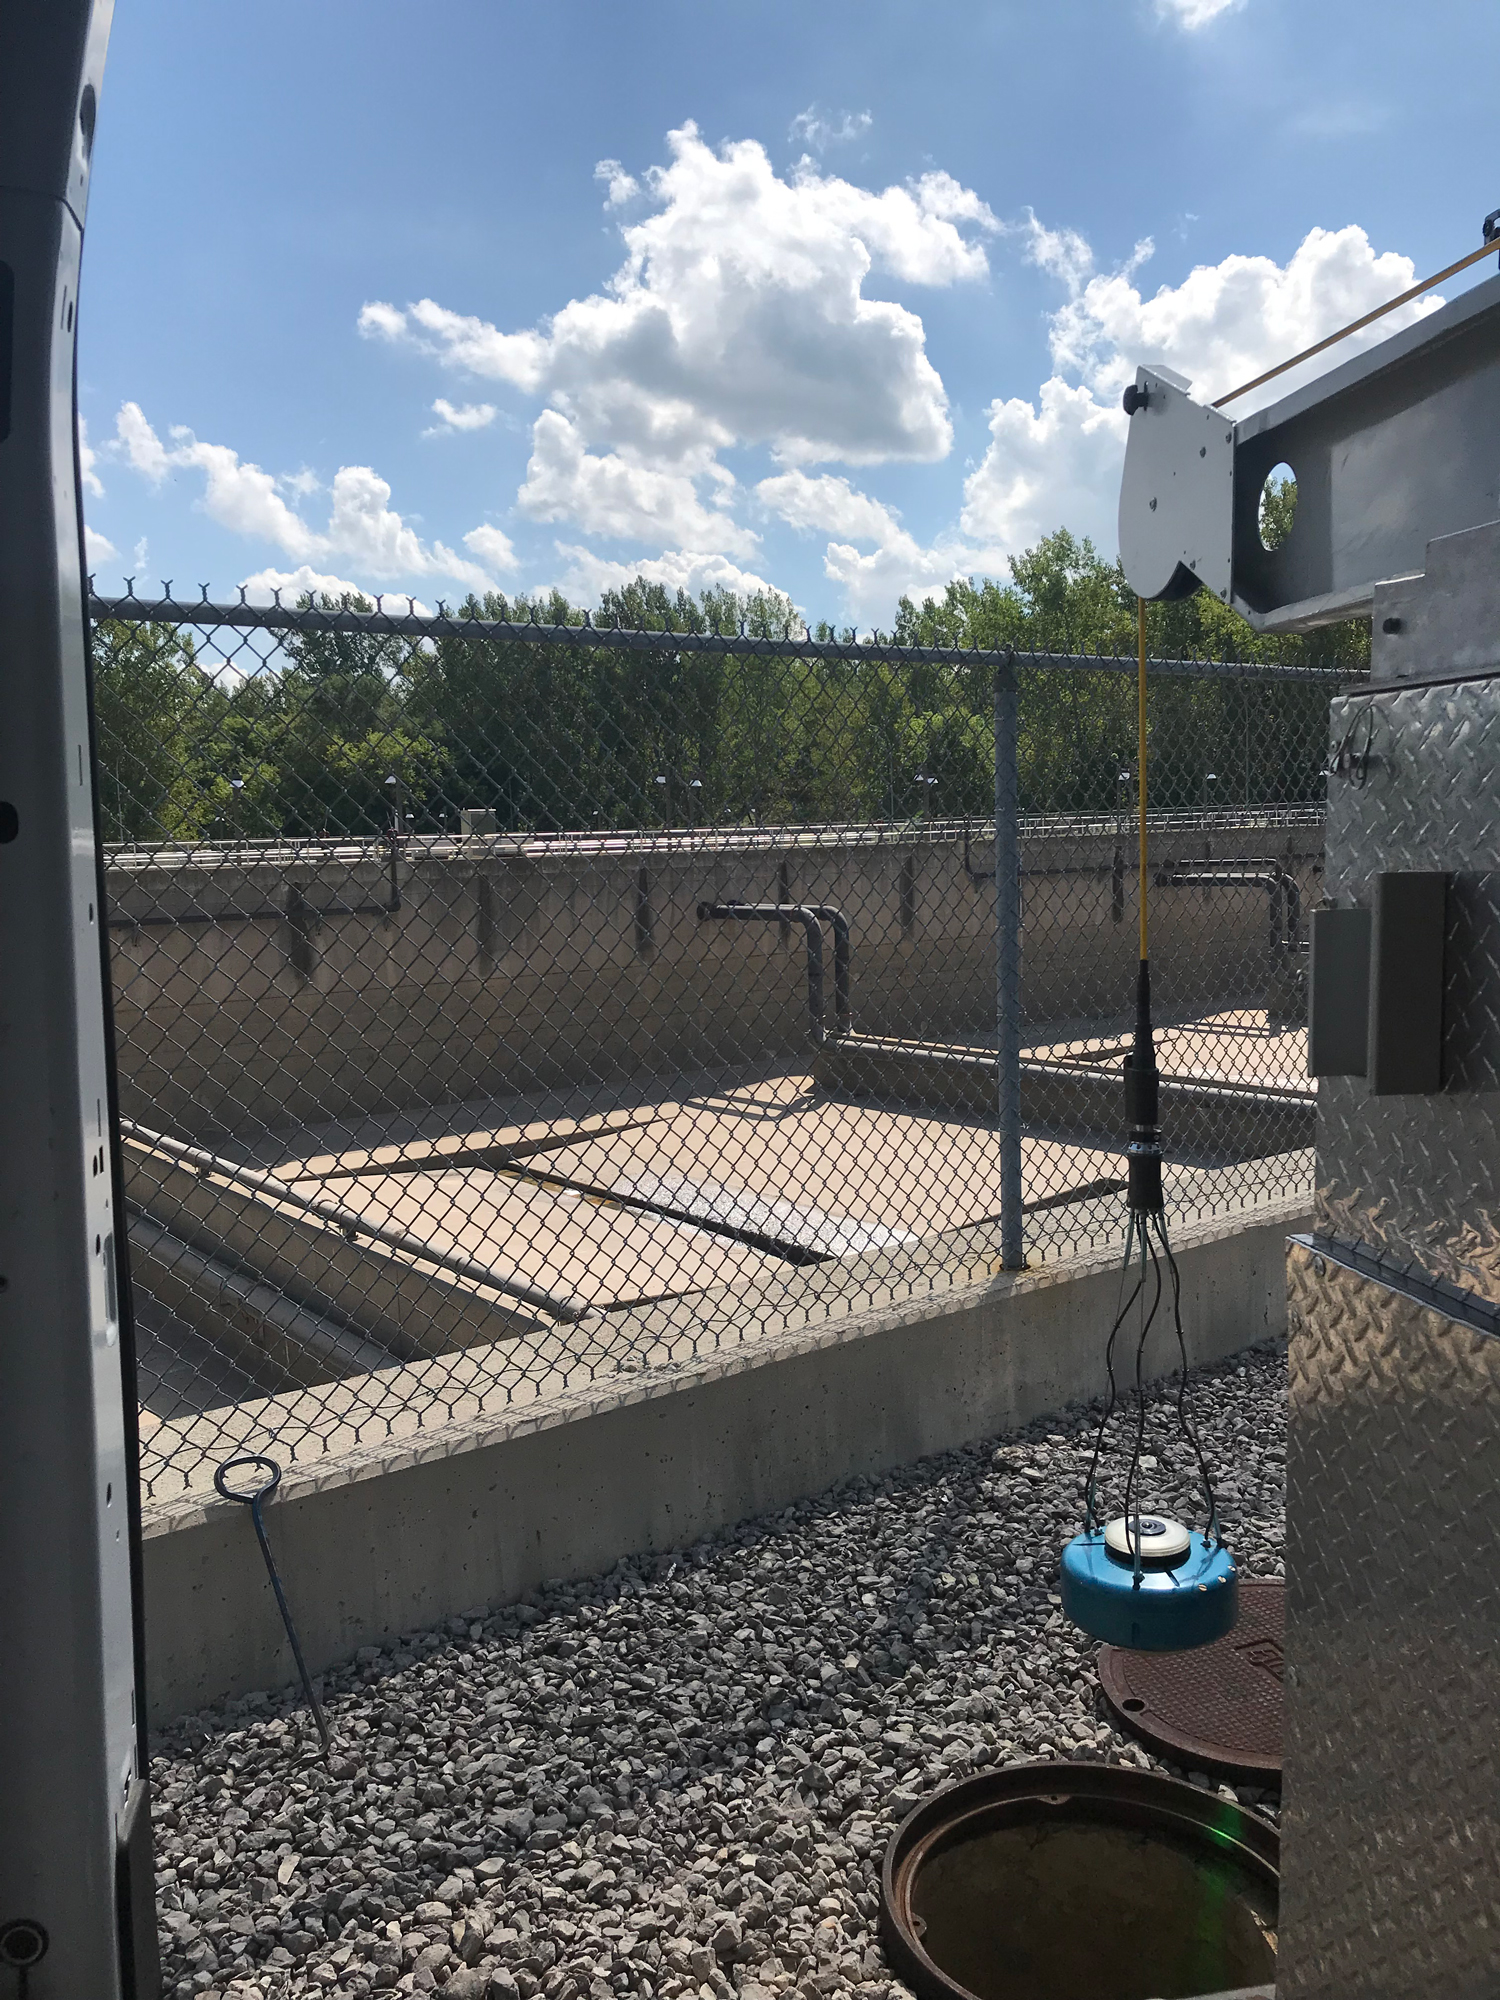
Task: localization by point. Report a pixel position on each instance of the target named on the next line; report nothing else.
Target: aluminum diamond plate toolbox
(1392, 1699)
(1416, 1176)
(1391, 1889)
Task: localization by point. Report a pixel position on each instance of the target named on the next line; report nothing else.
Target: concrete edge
(466, 1434)
(479, 1513)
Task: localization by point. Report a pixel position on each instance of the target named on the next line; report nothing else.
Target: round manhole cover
(1217, 1707)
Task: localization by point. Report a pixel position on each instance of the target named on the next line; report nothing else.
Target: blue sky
(832, 297)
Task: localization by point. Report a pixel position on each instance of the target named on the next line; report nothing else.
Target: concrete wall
(476, 1514)
(511, 967)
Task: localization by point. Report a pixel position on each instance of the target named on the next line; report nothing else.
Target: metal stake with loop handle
(23, 1944)
(254, 1501)
(1141, 1581)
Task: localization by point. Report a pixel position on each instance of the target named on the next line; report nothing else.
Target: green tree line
(565, 737)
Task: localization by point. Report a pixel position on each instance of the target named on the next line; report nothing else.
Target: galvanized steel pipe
(808, 916)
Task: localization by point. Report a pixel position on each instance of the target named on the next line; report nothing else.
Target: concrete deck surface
(772, 1159)
(570, 1243)
(683, 1220)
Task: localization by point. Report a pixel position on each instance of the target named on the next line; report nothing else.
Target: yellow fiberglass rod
(1140, 752)
(1141, 1079)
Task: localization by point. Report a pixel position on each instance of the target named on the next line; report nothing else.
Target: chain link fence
(501, 1007)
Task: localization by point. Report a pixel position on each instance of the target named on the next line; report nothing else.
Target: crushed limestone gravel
(678, 1780)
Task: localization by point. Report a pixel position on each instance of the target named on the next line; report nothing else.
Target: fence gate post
(1008, 963)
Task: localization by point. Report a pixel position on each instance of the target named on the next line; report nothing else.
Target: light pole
(1117, 864)
(395, 793)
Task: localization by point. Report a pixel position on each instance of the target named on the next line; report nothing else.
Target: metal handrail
(350, 1224)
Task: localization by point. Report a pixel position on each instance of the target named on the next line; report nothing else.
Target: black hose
(1184, 1423)
(1089, 1515)
(1133, 1519)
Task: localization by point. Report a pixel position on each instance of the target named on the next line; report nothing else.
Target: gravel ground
(678, 1779)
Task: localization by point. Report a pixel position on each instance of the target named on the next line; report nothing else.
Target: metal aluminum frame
(76, 1908)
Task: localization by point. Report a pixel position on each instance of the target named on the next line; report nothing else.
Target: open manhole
(1216, 1708)
(1080, 1882)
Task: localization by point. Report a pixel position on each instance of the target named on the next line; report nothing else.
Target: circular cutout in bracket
(1277, 510)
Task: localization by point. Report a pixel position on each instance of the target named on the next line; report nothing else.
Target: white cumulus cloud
(1229, 321)
(460, 417)
(588, 575)
(239, 496)
(624, 498)
(872, 579)
(376, 318)
(739, 316)
(875, 580)
(98, 548)
(88, 461)
(305, 581)
(362, 528)
(461, 340)
(822, 129)
(829, 505)
(493, 548)
(1052, 463)
(619, 186)
(141, 447)
(1193, 14)
(1054, 460)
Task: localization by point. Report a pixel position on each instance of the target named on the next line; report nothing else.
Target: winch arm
(1398, 446)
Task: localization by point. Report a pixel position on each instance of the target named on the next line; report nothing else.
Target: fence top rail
(380, 623)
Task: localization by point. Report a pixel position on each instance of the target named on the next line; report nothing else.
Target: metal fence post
(1008, 963)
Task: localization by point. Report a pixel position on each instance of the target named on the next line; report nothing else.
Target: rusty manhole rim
(1158, 1732)
(1013, 1794)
